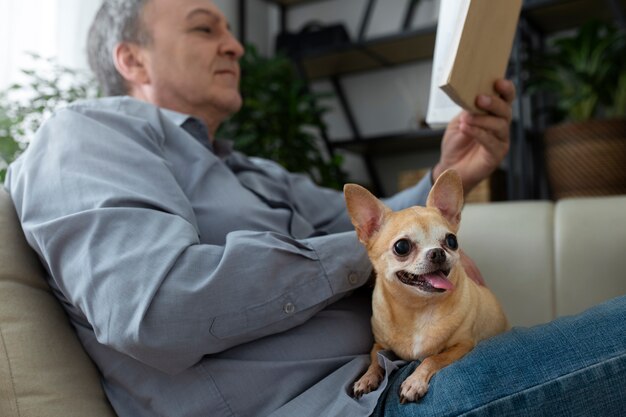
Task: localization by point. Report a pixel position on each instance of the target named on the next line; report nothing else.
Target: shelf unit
(366, 55)
(393, 143)
(541, 17)
(546, 16)
(551, 16)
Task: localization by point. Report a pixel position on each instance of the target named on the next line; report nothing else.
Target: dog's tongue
(439, 280)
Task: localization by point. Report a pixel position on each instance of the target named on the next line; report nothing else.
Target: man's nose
(232, 47)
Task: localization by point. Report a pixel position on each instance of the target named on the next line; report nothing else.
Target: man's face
(193, 59)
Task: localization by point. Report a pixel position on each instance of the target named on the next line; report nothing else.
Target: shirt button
(289, 308)
(353, 278)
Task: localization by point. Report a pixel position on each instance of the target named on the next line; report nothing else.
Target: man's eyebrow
(205, 12)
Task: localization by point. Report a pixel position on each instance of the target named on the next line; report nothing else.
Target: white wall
(50, 28)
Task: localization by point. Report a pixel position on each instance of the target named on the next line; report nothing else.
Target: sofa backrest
(513, 246)
(44, 370)
(590, 252)
(545, 260)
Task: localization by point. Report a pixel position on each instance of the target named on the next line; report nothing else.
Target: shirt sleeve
(412, 196)
(326, 209)
(99, 202)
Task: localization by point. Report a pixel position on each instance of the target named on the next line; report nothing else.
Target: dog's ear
(366, 211)
(447, 196)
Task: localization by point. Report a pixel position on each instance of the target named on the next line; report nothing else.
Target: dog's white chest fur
(409, 340)
(424, 341)
(418, 346)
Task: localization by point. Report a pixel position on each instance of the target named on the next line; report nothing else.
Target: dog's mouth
(435, 281)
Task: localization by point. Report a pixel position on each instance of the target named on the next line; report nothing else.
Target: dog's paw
(412, 389)
(366, 384)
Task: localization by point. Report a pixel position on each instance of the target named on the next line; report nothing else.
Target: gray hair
(116, 21)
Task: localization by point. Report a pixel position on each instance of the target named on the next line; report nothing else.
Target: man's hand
(475, 144)
(471, 269)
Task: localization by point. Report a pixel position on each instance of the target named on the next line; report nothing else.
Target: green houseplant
(24, 106)
(10, 148)
(280, 119)
(585, 77)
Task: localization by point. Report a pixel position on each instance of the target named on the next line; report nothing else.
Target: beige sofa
(542, 260)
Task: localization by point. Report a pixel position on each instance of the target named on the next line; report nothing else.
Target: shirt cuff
(344, 261)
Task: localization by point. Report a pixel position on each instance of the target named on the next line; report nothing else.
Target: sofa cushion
(43, 367)
(512, 244)
(590, 245)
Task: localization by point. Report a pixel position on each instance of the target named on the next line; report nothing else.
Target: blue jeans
(573, 366)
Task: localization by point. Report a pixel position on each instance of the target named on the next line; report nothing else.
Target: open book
(472, 50)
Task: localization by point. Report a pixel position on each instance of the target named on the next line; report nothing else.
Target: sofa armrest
(44, 370)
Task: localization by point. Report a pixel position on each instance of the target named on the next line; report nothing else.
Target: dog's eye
(402, 247)
(451, 242)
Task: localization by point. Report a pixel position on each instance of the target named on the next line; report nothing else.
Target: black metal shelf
(551, 16)
(389, 144)
(547, 16)
(375, 53)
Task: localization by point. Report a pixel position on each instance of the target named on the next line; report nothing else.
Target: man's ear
(130, 62)
(366, 211)
(447, 196)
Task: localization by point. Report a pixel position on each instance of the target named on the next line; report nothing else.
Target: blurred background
(363, 70)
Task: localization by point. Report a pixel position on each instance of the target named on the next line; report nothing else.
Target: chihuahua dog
(425, 307)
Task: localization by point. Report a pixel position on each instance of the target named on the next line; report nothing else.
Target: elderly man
(205, 283)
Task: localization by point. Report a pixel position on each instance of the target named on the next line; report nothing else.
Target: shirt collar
(196, 128)
(175, 117)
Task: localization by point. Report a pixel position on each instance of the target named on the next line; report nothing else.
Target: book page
(441, 108)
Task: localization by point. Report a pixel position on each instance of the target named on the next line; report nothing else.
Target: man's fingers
(506, 89)
(496, 106)
(499, 105)
(493, 145)
(499, 127)
(471, 269)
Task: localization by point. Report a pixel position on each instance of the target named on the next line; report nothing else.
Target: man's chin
(224, 108)
(234, 105)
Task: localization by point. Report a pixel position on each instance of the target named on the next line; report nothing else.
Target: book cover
(472, 50)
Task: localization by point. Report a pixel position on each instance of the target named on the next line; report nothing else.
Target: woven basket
(586, 158)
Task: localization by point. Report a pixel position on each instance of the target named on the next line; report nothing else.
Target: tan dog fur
(436, 328)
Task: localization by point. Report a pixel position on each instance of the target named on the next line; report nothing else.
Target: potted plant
(585, 75)
(10, 148)
(24, 106)
(281, 120)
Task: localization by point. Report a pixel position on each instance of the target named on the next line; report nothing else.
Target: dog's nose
(436, 256)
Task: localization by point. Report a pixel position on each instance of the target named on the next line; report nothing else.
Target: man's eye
(204, 29)
(402, 247)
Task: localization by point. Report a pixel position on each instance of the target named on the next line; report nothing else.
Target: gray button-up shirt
(201, 282)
